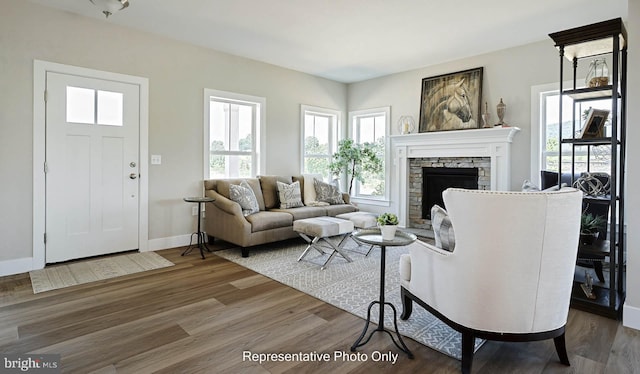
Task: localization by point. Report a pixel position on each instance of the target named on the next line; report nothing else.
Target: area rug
(350, 286)
(60, 276)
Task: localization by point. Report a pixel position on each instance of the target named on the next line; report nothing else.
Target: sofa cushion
(289, 194)
(268, 220)
(334, 210)
(223, 188)
(442, 228)
(327, 192)
(270, 189)
(243, 195)
(303, 212)
(309, 193)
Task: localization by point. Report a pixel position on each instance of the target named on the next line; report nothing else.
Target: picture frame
(451, 101)
(594, 124)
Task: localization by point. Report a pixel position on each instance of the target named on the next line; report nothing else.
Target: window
(547, 151)
(233, 124)
(83, 102)
(371, 126)
(319, 138)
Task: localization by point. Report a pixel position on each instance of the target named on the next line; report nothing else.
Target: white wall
(631, 312)
(177, 72)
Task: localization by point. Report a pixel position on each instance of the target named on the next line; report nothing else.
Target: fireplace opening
(436, 180)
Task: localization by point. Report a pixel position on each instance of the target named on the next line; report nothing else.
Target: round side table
(374, 237)
(201, 242)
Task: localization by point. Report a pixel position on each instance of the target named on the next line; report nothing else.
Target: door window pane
(80, 105)
(110, 106)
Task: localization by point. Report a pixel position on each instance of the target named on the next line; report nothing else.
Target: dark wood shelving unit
(606, 38)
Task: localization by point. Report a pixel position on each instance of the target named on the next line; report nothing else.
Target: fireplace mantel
(494, 143)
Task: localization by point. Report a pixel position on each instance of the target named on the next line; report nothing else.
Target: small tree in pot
(354, 159)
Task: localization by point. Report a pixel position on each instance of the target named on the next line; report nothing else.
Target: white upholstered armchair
(510, 274)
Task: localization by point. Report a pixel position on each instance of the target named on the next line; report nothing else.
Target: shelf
(589, 141)
(590, 93)
(591, 40)
(579, 45)
(601, 304)
(599, 199)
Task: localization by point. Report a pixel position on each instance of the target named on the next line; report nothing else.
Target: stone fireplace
(485, 152)
(429, 176)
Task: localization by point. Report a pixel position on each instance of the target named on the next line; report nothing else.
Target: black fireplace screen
(436, 180)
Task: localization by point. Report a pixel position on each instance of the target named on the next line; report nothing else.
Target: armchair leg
(597, 266)
(245, 252)
(468, 342)
(561, 349)
(407, 305)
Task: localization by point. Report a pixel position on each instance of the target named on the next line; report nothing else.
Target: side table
(374, 237)
(202, 246)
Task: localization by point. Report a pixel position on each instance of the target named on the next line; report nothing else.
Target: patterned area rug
(350, 286)
(60, 276)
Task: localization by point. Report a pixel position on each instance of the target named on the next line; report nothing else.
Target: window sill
(370, 201)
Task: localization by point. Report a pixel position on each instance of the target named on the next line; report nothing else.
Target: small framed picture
(594, 124)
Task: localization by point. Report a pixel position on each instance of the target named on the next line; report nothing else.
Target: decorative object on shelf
(590, 226)
(594, 124)
(406, 125)
(587, 286)
(388, 223)
(598, 75)
(108, 7)
(451, 101)
(501, 108)
(593, 184)
(354, 159)
(486, 116)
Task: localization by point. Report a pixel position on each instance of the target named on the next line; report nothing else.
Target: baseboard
(169, 242)
(631, 316)
(16, 266)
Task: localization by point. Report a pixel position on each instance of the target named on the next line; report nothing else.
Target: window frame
(354, 127)
(335, 129)
(258, 161)
(538, 130)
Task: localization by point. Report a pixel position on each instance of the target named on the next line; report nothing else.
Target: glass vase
(598, 74)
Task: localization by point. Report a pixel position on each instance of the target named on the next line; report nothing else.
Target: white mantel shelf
(494, 143)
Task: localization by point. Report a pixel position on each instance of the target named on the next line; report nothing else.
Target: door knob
(133, 175)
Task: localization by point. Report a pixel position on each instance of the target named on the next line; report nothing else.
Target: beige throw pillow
(289, 194)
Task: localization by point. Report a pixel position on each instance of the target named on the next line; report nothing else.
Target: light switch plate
(156, 159)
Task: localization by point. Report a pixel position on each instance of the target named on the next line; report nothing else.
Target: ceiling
(354, 40)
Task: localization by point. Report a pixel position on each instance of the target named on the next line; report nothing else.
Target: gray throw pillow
(290, 196)
(327, 193)
(442, 229)
(243, 195)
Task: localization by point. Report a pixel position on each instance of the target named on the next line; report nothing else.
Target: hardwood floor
(200, 315)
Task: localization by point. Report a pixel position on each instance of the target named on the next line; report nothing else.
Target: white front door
(92, 167)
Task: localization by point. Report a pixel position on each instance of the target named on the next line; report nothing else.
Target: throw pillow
(442, 229)
(327, 193)
(243, 195)
(290, 196)
(309, 197)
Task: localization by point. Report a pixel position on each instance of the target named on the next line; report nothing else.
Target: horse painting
(451, 102)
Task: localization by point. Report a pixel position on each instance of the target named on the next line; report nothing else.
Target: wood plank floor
(200, 315)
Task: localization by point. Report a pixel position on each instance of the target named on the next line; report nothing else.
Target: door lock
(133, 175)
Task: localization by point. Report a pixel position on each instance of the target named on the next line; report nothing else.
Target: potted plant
(355, 159)
(388, 223)
(590, 226)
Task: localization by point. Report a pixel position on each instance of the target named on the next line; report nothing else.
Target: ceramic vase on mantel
(388, 231)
